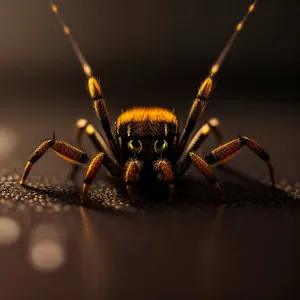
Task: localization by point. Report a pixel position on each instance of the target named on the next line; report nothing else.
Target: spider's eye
(160, 146)
(134, 146)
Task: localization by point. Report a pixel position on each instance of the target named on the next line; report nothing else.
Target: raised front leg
(229, 150)
(196, 110)
(102, 113)
(62, 149)
(93, 85)
(206, 87)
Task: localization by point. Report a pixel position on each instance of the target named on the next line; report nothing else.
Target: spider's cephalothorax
(147, 134)
(146, 141)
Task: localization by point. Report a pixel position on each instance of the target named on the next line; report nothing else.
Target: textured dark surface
(110, 194)
(194, 248)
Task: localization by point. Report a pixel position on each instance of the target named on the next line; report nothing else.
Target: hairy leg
(99, 160)
(62, 149)
(211, 126)
(132, 170)
(166, 174)
(202, 166)
(229, 150)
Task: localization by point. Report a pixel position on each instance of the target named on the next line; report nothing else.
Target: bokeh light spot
(47, 255)
(10, 231)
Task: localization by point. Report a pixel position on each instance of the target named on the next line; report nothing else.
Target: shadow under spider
(64, 194)
(239, 189)
(190, 191)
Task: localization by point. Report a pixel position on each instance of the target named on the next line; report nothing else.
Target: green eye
(160, 146)
(134, 146)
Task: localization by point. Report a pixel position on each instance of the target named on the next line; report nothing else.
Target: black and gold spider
(146, 141)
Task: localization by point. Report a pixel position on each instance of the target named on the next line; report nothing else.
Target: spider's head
(147, 134)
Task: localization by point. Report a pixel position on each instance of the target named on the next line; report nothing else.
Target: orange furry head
(147, 121)
(153, 114)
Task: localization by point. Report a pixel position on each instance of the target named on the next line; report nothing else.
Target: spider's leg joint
(205, 89)
(94, 88)
(132, 170)
(165, 174)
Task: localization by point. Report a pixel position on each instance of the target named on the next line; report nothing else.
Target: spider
(146, 141)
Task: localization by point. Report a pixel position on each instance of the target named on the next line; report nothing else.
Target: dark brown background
(156, 53)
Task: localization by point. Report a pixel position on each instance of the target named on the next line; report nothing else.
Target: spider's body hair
(147, 121)
(152, 114)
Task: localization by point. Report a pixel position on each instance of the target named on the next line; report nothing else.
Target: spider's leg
(195, 112)
(99, 160)
(62, 149)
(102, 113)
(132, 170)
(83, 126)
(216, 66)
(206, 87)
(211, 126)
(165, 174)
(229, 150)
(201, 165)
(93, 85)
